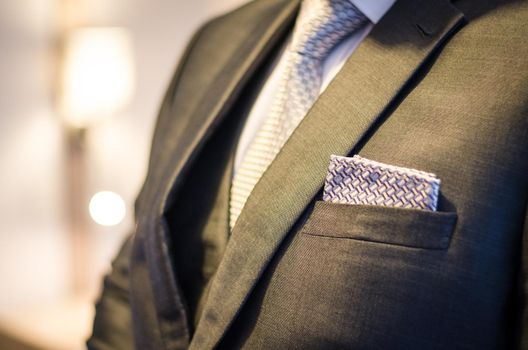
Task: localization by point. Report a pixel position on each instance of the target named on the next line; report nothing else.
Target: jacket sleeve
(112, 328)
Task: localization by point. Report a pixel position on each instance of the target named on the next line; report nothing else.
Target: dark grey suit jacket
(438, 86)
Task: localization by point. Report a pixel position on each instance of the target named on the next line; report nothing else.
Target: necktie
(321, 25)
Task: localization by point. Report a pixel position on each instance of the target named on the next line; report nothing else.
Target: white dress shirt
(372, 9)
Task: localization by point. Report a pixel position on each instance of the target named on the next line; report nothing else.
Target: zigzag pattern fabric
(359, 180)
(316, 33)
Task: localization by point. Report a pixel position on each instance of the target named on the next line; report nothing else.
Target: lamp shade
(97, 74)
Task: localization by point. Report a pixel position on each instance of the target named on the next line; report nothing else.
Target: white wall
(32, 237)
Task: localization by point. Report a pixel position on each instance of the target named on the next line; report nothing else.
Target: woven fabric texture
(358, 180)
(314, 36)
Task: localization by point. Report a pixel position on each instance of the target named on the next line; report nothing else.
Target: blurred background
(80, 85)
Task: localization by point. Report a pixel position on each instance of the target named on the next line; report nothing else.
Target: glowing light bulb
(107, 208)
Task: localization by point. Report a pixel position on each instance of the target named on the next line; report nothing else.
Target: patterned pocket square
(358, 180)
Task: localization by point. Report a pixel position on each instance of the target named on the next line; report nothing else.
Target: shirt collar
(373, 9)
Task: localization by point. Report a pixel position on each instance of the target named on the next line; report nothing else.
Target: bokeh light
(107, 208)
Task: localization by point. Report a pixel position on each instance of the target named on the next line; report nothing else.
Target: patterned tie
(321, 25)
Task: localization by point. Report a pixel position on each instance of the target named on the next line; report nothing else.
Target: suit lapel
(179, 140)
(377, 76)
(222, 89)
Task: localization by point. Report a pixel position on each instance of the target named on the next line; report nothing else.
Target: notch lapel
(180, 134)
(377, 76)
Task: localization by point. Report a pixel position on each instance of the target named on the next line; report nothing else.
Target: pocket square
(358, 180)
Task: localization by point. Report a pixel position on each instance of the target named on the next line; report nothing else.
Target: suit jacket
(438, 86)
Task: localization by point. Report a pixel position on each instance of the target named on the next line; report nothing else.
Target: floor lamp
(96, 81)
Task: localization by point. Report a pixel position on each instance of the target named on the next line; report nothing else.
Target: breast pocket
(390, 225)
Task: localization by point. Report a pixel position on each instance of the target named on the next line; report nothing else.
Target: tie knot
(322, 24)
